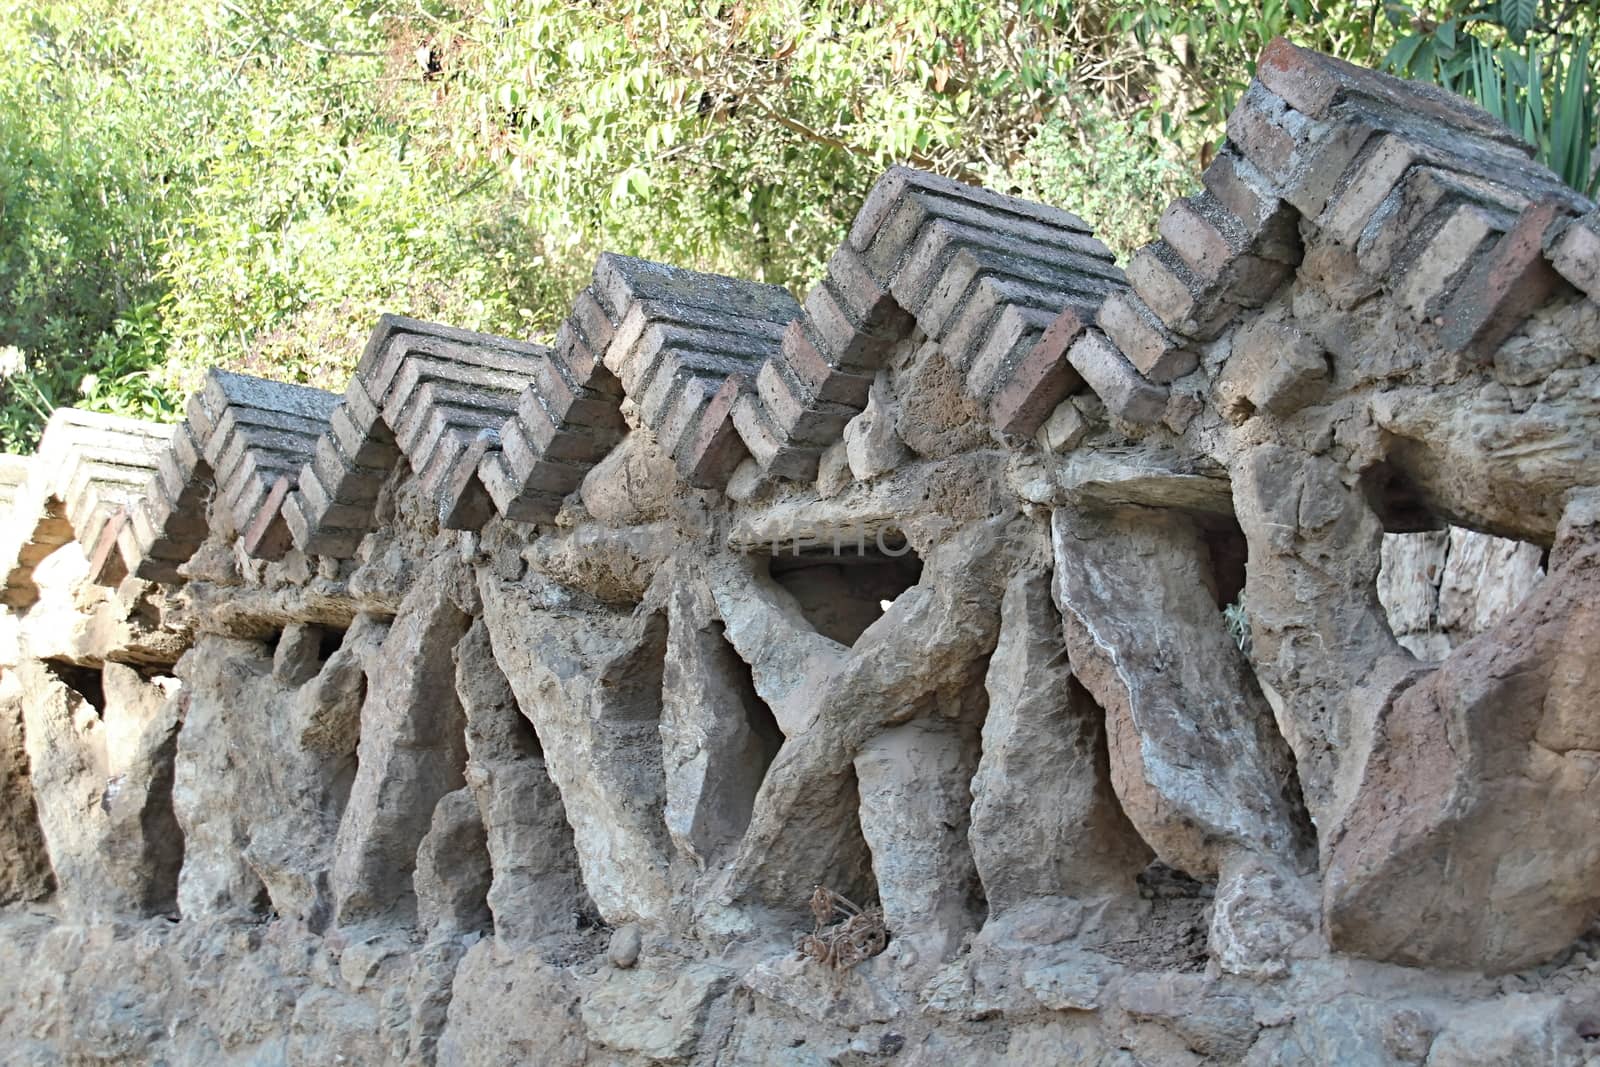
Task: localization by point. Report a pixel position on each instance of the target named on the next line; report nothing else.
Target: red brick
(1375, 174)
(805, 359)
(1040, 380)
(1428, 282)
(869, 303)
(1505, 286)
(1015, 330)
(846, 346)
(1243, 192)
(583, 363)
(514, 501)
(1420, 201)
(708, 457)
(1179, 299)
(903, 182)
(1114, 380)
(800, 418)
(106, 566)
(1575, 254)
(267, 536)
(1202, 237)
(767, 445)
(1314, 83)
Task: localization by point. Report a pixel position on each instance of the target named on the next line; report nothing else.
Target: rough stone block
(1064, 430)
(1274, 366)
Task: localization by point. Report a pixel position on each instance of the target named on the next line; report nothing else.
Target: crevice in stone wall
(1399, 503)
(163, 835)
(765, 737)
(844, 588)
(84, 681)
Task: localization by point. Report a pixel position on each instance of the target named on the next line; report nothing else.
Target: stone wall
(858, 680)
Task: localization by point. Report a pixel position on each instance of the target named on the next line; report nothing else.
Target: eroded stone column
(915, 802)
(1319, 634)
(412, 752)
(24, 863)
(284, 726)
(589, 678)
(1195, 755)
(1045, 821)
(535, 888)
(717, 736)
(102, 781)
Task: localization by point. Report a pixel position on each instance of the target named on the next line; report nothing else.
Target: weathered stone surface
(1045, 822)
(590, 676)
(654, 1015)
(100, 747)
(24, 864)
(535, 887)
(412, 751)
(452, 876)
(915, 801)
(1470, 840)
(633, 484)
(1195, 755)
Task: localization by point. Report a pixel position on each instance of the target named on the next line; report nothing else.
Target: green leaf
(1403, 52)
(1517, 18)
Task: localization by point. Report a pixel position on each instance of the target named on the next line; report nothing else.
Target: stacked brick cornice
(89, 470)
(1422, 196)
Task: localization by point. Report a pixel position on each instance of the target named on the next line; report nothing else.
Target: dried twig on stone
(845, 932)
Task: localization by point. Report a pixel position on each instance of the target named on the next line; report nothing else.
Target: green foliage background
(248, 183)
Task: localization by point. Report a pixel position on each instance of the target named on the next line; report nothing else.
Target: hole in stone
(85, 681)
(1442, 588)
(1229, 552)
(1399, 504)
(844, 587)
(758, 746)
(332, 640)
(344, 770)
